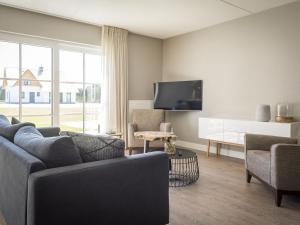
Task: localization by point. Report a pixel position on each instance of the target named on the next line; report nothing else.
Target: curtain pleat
(114, 90)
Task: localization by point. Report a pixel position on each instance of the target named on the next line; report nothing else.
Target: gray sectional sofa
(125, 190)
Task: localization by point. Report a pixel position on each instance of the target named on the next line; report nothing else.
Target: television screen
(180, 95)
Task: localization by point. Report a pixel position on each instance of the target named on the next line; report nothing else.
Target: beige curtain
(115, 79)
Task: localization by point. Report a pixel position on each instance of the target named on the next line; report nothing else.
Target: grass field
(71, 115)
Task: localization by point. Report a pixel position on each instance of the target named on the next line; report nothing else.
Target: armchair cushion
(148, 119)
(264, 142)
(258, 163)
(97, 147)
(166, 127)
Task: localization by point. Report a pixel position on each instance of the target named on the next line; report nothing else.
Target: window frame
(56, 46)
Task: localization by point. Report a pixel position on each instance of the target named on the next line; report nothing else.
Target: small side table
(119, 135)
(183, 168)
(166, 137)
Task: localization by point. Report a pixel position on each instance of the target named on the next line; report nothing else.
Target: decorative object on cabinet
(263, 113)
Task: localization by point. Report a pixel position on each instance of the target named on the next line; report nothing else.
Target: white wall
(25, 22)
(145, 66)
(243, 62)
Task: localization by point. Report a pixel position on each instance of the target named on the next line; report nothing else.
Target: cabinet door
(211, 129)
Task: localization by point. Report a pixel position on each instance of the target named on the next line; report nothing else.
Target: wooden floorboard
(222, 196)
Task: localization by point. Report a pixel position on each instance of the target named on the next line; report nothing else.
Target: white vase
(263, 113)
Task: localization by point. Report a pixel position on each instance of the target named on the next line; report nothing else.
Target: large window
(19, 87)
(80, 77)
(9, 76)
(36, 83)
(49, 84)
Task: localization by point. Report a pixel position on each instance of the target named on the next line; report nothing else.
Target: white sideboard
(233, 131)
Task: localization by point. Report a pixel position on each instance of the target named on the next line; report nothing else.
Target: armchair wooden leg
(248, 176)
(278, 197)
(130, 151)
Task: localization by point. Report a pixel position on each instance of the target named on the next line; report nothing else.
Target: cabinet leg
(218, 149)
(248, 176)
(278, 197)
(208, 147)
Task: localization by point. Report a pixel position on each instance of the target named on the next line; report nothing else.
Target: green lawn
(68, 122)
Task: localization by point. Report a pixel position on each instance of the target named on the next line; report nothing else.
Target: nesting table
(166, 137)
(183, 164)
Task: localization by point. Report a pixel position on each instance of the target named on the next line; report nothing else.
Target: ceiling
(155, 18)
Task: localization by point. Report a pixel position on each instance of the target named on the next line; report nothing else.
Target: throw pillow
(97, 147)
(53, 151)
(7, 130)
(14, 120)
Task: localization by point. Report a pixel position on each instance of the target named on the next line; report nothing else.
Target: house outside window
(69, 99)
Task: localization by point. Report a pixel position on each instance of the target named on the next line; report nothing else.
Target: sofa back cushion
(53, 151)
(7, 130)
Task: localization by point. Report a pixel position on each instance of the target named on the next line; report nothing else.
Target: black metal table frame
(183, 168)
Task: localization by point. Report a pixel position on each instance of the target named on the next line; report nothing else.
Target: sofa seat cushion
(53, 151)
(8, 130)
(97, 147)
(259, 163)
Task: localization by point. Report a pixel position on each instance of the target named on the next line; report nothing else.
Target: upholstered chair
(275, 161)
(146, 120)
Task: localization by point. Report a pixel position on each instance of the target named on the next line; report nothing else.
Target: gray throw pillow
(97, 147)
(7, 130)
(53, 151)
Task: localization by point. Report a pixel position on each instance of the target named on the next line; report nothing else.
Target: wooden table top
(154, 135)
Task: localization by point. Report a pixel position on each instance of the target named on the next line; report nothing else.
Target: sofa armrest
(285, 167)
(166, 127)
(264, 142)
(49, 131)
(129, 190)
(132, 127)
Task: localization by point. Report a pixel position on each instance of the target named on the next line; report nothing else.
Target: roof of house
(28, 75)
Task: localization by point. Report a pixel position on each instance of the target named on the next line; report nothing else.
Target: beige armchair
(146, 120)
(274, 161)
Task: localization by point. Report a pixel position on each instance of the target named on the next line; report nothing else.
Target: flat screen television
(179, 95)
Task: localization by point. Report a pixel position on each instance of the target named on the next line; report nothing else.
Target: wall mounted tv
(179, 95)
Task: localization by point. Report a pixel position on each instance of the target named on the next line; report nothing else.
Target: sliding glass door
(50, 83)
(36, 85)
(9, 76)
(26, 82)
(80, 87)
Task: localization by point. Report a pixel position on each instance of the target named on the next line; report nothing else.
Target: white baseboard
(201, 147)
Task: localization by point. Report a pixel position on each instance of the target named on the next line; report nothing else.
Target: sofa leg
(278, 197)
(130, 151)
(248, 176)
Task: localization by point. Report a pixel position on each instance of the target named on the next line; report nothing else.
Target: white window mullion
(83, 92)
(20, 82)
(55, 86)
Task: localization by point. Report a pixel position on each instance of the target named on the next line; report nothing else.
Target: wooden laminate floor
(222, 197)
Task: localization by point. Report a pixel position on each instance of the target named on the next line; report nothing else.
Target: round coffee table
(183, 168)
